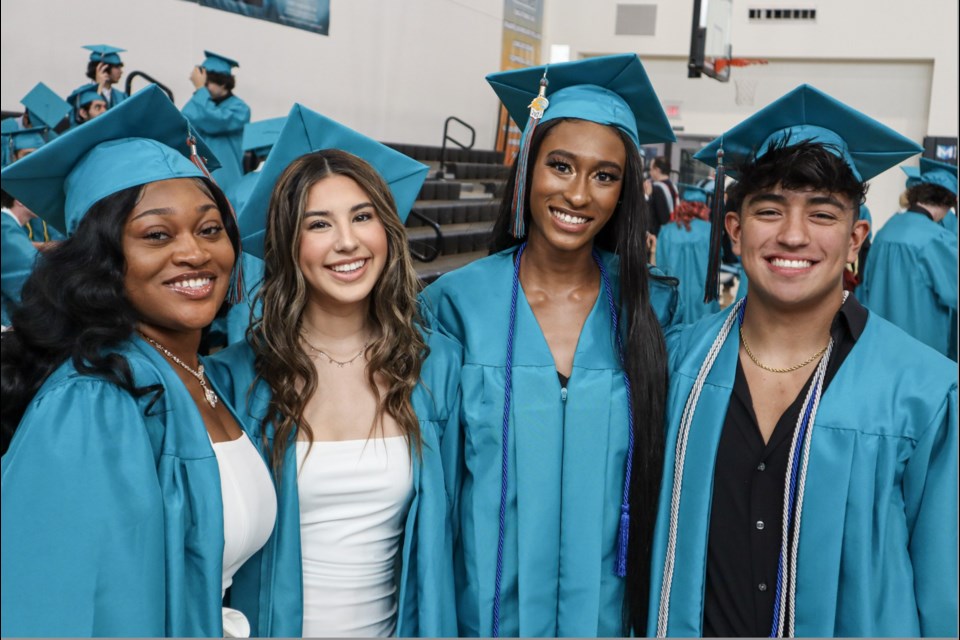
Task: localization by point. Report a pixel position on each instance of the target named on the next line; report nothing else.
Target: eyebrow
(767, 197)
(826, 200)
(166, 211)
(573, 156)
(780, 199)
(353, 209)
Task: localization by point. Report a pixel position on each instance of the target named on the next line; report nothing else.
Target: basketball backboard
(710, 39)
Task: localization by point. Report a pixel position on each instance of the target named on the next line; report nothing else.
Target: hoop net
(746, 90)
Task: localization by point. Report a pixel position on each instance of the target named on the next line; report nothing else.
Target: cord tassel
(712, 286)
(622, 538)
(537, 107)
(195, 157)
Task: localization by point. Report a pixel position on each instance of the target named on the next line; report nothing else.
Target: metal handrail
(429, 257)
(446, 136)
(148, 78)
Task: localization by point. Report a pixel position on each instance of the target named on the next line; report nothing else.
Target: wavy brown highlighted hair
(394, 357)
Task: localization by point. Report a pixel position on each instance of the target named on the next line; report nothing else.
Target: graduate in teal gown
(112, 520)
(17, 258)
(563, 363)
(86, 103)
(859, 439)
(683, 251)
(911, 273)
(104, 69)
(381, 304)
(43, 109)
(218, 115)
(21, 142)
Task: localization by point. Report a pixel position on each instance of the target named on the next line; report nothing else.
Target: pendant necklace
(340, 363)
(208, 393)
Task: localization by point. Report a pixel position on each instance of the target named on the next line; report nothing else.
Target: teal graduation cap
(84, 95)
(939, 173)
(259, 137)
(218, 63)
(104, 53)
(692, 193)
(306, 131)
(45, 107)
(609, 90)
(21, 139)
(120, 149)
(913, 175)
(808, 114)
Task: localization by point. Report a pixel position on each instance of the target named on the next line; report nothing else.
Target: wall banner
(310, 15)
(522, 28)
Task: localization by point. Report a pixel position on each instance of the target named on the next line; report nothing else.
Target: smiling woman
(337, 388)
(124, 461)
(558, 455)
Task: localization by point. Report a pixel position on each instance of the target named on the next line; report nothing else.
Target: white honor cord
(681, 453)
(787, 614)
(787, 607)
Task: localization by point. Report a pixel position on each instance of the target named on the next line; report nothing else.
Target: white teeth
(193, 283)
(790, 264)
(565, 217)
(347, 268)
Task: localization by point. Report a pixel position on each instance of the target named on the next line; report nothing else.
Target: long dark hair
(74, 307)
(645, 354)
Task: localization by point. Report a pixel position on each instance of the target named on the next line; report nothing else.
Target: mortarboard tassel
(537, 107)
(195, 157)
(235, 294)
(712, 286)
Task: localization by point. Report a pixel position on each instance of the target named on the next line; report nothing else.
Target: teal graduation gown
(949, 221)
(112, 515)
(221, 127)
(878, 535)
(911, 279)
(567, 457)
(116, 97)
(269, 587)
(232, 327)
(684, 255)
(17, 258)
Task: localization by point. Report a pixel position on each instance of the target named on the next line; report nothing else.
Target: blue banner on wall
(310, 15)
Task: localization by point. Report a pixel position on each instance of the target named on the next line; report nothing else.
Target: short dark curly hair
(928, 193)
(803, 165)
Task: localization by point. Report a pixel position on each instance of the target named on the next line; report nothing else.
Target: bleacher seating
(463, 199)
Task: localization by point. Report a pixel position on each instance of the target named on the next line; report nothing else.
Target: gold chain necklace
(746, 348)
(208, 393)
(340, 363)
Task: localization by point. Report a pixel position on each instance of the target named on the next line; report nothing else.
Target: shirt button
(761, 467)
(760, 525)
(762, 586)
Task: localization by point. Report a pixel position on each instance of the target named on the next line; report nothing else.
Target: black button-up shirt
(746, 518)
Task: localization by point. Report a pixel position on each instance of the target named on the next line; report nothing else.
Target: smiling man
(810, 483)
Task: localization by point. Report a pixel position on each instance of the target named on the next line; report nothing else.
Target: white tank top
(354, 498)
(249, 513)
